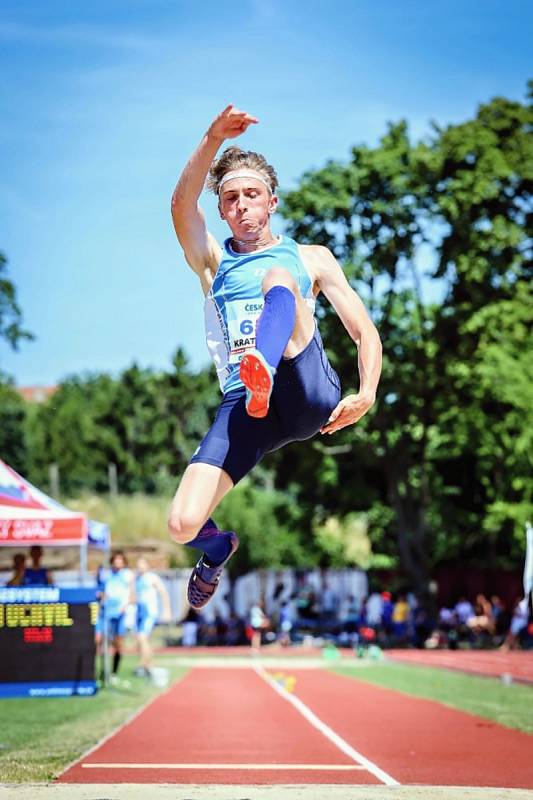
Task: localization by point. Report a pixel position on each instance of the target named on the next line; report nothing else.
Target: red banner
(43, 531)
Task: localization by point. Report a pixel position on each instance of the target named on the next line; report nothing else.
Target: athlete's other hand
(349, 411)
(230, 123)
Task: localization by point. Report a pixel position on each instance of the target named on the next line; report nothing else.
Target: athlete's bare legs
(201, 489)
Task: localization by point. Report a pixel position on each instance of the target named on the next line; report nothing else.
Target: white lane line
(119, 727)
(317, 767)
(328, 732)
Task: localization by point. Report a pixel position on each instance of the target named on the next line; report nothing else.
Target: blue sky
(103, 102)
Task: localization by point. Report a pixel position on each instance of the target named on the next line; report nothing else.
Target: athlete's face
(246, 205)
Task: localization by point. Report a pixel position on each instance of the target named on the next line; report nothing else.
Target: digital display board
(47, 641)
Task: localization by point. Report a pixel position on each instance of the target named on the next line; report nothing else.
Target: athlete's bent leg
(303, 326)
(201, 489)
(285, 328)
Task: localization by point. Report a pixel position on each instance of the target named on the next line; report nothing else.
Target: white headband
(243, 173)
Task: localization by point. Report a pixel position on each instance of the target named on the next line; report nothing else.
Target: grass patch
(486, 697)
(132, 518)
(40, 736)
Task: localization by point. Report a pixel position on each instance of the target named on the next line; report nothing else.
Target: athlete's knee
(279, 276)
(183, 524)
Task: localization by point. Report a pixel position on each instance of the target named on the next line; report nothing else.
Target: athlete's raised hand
(349, 411)
(230, 123)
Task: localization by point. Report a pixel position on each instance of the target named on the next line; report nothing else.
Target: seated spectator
(422, 626)
(234, 630)
(349, 611)
(307, 605)
(329, 603)
(464, 610)
(448, 619)
(19, 568)
(190, 625)
(36, 575)
(481, 622)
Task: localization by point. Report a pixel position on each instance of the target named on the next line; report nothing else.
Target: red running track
(419, 741)
(490, 663)
(233, 717)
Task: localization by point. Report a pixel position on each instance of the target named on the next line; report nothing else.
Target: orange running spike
(256, 374)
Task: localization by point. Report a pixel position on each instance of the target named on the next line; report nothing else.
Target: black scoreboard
(47, 641)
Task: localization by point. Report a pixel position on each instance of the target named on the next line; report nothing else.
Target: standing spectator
(386, 613)
(329, 603)
(36, 575)
(259, 622)
(374, 609)
(519, 623)
(400, 618)
(117, 595)
(285, 623)
(19, 567)
(362, 616)
(151, 595)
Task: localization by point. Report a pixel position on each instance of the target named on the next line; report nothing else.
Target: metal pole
(53, 472)
(105, 639)
(83, 563)
(112, 479)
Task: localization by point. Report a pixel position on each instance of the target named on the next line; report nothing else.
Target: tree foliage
(436, 237)
(11, 329)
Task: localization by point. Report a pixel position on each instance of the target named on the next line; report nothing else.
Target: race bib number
(242, 318)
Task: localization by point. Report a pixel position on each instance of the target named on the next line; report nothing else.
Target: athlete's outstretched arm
(354, 316)
(164, 598)
(200, 248)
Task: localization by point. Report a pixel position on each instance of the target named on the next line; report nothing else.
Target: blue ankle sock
(275, 325)
(214, 543)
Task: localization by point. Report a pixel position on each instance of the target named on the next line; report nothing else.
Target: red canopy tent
(29, 517)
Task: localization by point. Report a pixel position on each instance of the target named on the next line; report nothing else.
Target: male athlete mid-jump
(260, 292)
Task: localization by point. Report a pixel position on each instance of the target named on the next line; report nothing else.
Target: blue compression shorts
(145, 621)
(116, 626)
(306, 390)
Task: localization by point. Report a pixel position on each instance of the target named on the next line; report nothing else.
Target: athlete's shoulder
(317, 258)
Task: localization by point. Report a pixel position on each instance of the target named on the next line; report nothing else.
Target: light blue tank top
(235, 301)
(147, 593)
(117, 591)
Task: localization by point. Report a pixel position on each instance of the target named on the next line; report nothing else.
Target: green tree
(11, 329)
(269, 527)
(13, 448)
(429, 234)
(146, 422)
(12, 407)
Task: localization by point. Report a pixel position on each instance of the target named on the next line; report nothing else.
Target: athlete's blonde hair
(235, 158)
